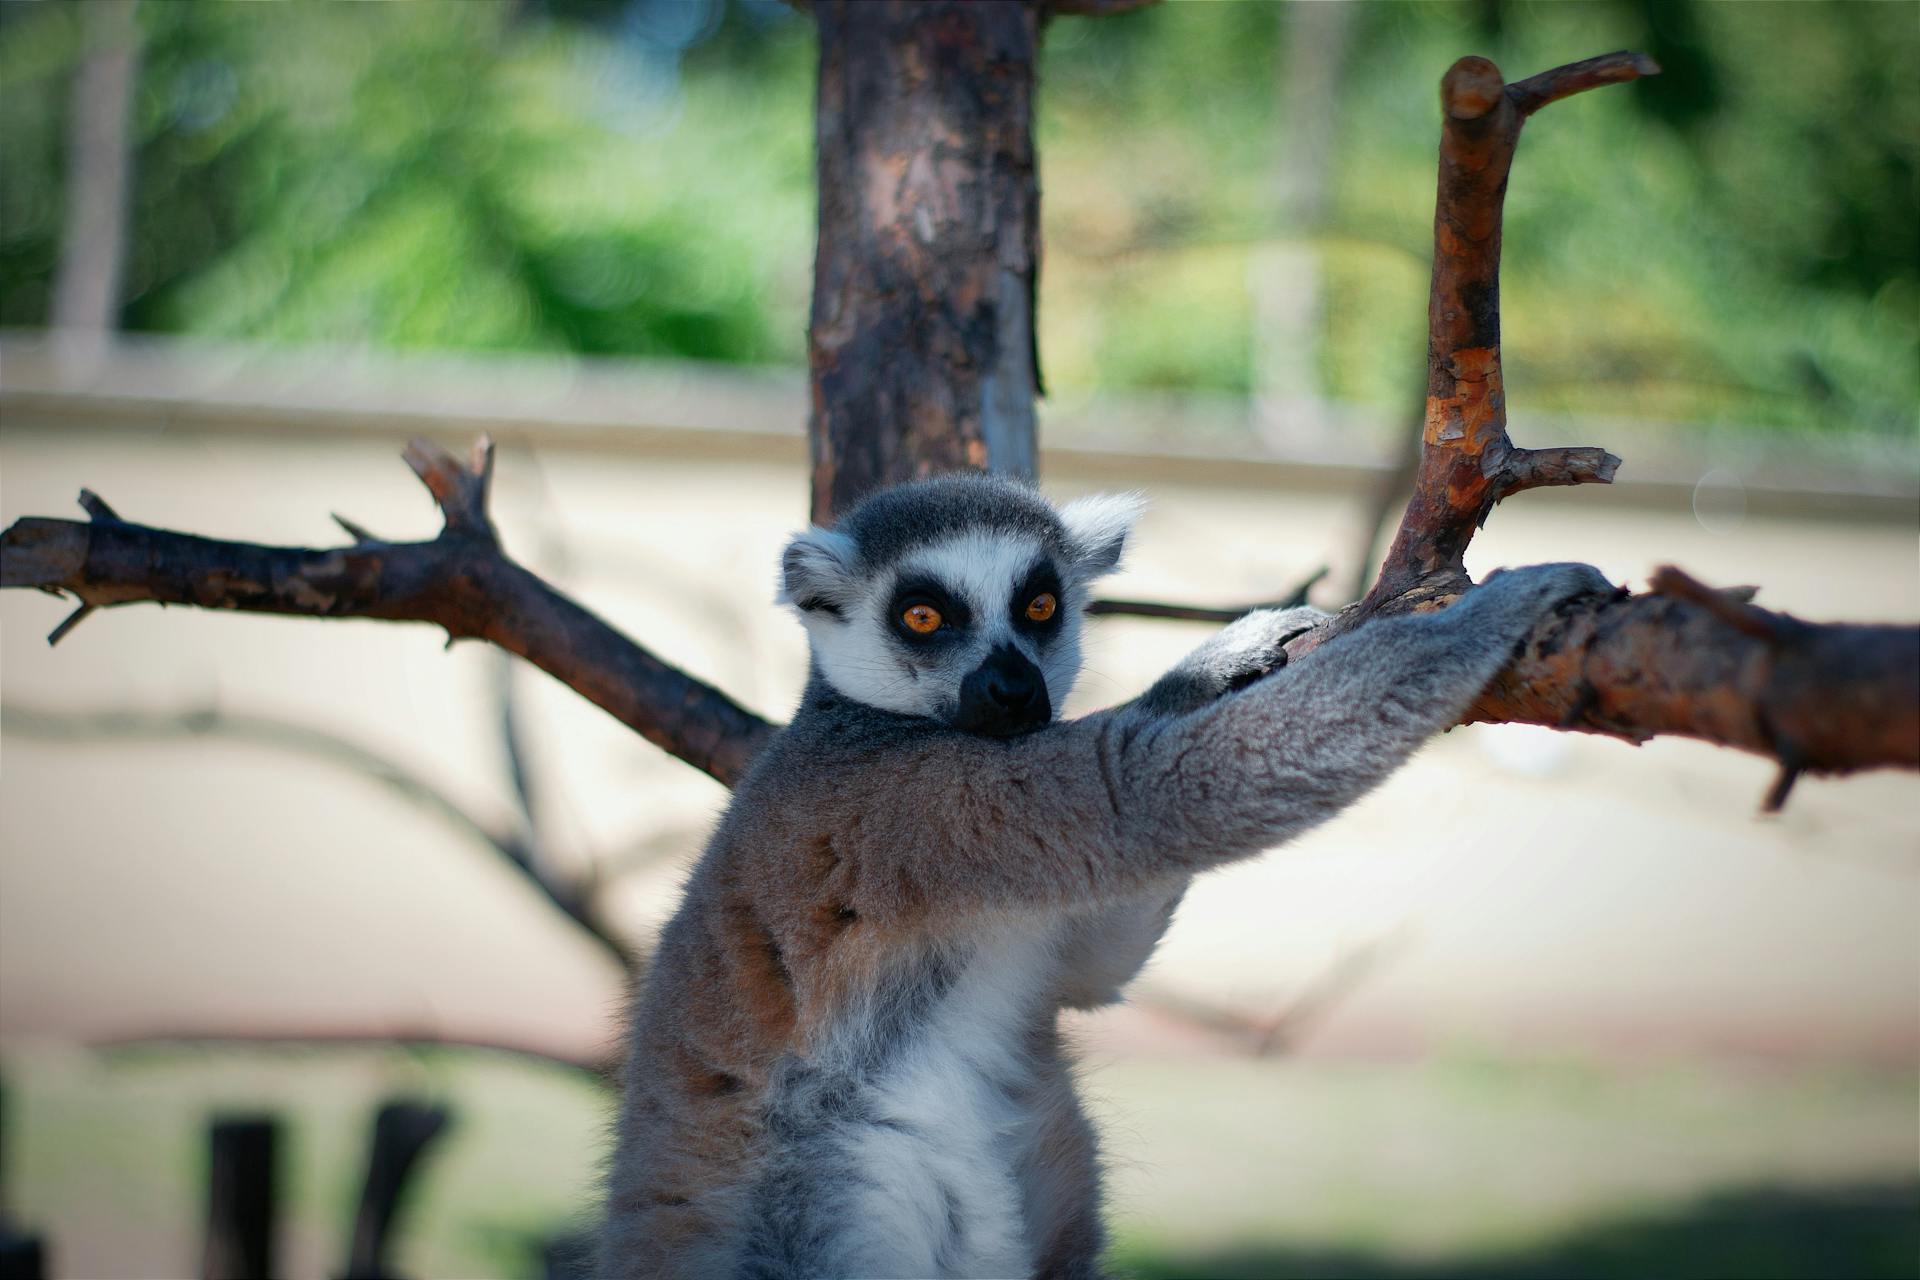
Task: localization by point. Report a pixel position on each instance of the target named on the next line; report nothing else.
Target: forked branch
(1468, 463)
(461, 581)
(1683, 660)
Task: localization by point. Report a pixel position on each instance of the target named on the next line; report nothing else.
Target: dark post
(240, 1198)
(22, 1256)
(402, 1131)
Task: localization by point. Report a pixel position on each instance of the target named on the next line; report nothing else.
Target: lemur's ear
(1098, 526)
(817, 571)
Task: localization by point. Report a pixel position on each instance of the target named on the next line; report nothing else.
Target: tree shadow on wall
(1860, 1231)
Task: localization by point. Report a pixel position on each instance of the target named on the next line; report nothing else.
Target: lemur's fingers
(1297, 621)
(1265, 629)
(1256, 645)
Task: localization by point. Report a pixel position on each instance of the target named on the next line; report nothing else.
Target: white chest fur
(950, 1131)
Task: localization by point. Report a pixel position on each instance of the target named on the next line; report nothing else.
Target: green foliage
(434, 175)
(1736, 242)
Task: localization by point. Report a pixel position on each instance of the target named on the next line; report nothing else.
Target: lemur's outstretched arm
(1262, 767)
(1105, 946)
(1111, 806)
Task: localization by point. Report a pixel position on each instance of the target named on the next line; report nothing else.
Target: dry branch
(1468, 463)
(1684, 660)
(461, 581)
(1822, 698)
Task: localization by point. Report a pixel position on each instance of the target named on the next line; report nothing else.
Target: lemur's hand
(1549, 584)
(1253, 645)
(1505, 607)
(1238, 654)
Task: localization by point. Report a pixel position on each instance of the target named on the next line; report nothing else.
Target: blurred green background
(1735, 242)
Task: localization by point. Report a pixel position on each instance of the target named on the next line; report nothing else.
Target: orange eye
(1041, 607)
(923, 618)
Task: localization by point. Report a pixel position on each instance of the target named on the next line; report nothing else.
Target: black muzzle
(1005, 695)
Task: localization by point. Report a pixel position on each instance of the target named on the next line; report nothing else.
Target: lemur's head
(958, 598)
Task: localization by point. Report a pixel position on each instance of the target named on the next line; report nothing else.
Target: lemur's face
(958, 599)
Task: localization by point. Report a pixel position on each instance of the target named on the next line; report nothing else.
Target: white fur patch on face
(981, 568)
(985, 568)
(863, 659)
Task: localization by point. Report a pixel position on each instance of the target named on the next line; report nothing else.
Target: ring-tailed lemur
(844, 1059)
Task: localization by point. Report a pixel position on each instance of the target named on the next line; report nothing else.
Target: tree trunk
(921, 344)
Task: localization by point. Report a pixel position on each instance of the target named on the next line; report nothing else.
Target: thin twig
(358, 532)
(1203, 613)
(1535, 92)
(68, 623)
(1389, 491)
(402, 1036)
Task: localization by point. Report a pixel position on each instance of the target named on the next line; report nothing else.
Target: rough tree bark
(1683, 659)
(921, 345)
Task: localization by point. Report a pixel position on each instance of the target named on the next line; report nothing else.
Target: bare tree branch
(461, 581)
(1282, 1030)
(1383, 496)
(1535, 92)
(371, 1035)
(1683, 660)
(1468, 463)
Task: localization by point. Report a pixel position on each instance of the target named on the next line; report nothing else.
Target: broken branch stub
(462, 491)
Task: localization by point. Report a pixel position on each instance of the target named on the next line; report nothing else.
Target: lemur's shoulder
(788, 880)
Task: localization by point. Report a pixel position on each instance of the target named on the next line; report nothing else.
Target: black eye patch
(1042, 579)
(955, 617)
